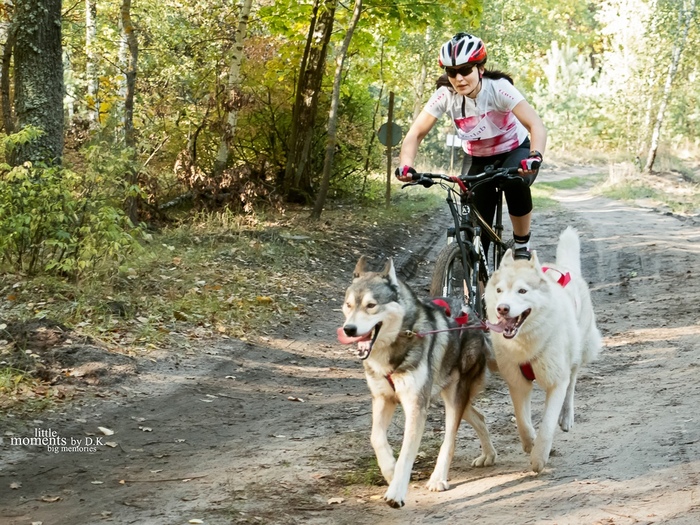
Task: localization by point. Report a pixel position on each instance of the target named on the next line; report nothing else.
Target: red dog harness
(564, 279)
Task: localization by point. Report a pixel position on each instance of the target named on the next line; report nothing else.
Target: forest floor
(275, 429)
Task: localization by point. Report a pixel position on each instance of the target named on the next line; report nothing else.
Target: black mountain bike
(461, 268)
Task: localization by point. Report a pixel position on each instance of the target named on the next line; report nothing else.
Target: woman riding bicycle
(493, 120)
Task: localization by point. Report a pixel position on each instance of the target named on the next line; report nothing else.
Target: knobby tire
(449, 271)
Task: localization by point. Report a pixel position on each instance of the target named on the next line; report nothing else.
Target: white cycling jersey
(486, 125)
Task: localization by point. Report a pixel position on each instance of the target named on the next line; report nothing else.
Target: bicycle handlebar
(490, 173)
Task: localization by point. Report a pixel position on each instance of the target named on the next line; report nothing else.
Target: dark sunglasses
(465, 71)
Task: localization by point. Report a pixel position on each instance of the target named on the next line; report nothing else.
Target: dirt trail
(269, 431)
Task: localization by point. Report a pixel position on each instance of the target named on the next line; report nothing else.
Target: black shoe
(521, 253)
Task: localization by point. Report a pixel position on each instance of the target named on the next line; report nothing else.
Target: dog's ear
(360, 267)
(534, 260)
(390, 271)
(507, 258)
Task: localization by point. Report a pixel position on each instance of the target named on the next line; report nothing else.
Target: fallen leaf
(146, 429)
(97, 482)
(298, 399)
(264, 299)
(15, 485)
(50, 499)
(105, 431)
(111, 444)
(335, 501)
(195, 521)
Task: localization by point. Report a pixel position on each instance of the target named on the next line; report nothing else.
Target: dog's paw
(539, 456)
(485, 460)
(527, 438)
(566, 420)
(437, 485)
(537, 463)
(394, 500)
(528, 444)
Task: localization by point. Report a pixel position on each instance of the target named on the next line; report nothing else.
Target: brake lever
(423, 181)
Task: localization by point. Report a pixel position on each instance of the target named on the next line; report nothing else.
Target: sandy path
(633, 455)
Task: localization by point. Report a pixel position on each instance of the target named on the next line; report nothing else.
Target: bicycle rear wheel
(449, 274)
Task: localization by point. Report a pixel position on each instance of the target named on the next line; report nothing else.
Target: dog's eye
(371, 305)
(522, 291)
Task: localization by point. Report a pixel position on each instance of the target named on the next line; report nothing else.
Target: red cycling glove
(403, 171)
(533, 162)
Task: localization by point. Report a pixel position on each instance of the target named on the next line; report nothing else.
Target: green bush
(57, 221)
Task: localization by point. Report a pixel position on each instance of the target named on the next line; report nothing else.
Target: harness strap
(527, 371)
(391, 382)
(564, 278)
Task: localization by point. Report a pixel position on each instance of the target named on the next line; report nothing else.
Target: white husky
(543, 326)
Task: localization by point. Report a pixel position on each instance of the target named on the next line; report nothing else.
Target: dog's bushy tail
(569, 250)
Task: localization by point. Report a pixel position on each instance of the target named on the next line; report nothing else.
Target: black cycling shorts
(518, 196)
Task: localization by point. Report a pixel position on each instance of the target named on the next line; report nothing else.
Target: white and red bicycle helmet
(462, 48)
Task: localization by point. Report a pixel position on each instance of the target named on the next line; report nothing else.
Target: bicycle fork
(463, 250)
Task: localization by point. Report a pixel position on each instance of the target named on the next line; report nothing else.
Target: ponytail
(495, 74)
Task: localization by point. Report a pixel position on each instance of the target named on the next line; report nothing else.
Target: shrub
(57, 221)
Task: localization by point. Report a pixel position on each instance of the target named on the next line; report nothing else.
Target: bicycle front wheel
(450, 275)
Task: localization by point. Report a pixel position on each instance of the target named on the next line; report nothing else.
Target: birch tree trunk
(296, 178)
(38, 69)
(232, 88)
(130, 43)
(93, 104)
(686, 15)
(69, 86)
(331, 140)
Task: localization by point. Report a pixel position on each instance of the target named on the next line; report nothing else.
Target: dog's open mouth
(509, 326)
(364, 342)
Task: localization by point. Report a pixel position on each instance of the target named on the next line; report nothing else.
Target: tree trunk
(233, 87)
(297, 181)
(420, 85)
(687, 14)
(5, 96)
(39, 79)
(91, 78)
(333, 115)
(131, 44)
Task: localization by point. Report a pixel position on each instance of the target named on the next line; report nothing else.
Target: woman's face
(464, 79)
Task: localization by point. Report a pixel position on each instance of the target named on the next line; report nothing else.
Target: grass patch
(365, 471)
(671, 189)
(219, 274)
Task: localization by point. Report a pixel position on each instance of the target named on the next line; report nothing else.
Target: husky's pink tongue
(498, 328)
(347, 340)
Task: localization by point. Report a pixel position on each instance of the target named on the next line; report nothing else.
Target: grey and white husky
(543, 327)
(408, 359)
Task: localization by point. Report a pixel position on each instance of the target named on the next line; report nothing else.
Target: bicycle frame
(468, 227)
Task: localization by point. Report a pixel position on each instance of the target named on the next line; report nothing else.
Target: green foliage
(55, 220)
